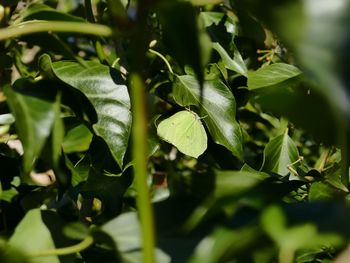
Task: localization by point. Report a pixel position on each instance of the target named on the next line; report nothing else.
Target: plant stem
(88, 241)
(97, 43)
(54, 26)
(163, 58)
(139, 149)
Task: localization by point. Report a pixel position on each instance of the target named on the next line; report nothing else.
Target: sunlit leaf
(107, 92)
(235, 64)
(271, 75)
(279, 153)
(218, 109)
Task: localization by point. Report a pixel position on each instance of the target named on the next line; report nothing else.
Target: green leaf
(279, 153)
(223, 245)
(271, 75)
(34, 119)
(77, 139)
(218, 109)
(125, 232)
(107, 92)
(32, 236)
(185, 131)
(8, 254)
(289, 239)
(323, 191)
(236, 63)
(236, 182)
(210, 18)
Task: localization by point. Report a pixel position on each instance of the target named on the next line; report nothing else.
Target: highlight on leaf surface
(185, 131)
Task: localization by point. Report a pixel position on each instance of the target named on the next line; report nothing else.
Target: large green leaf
(218, 109)
(279, 153)
(32, 236)
(271, 75)
(107, 92)
(34, 116)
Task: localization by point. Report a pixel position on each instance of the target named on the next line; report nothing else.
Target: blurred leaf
(218, 109)
(236, 182)
(287, 103)
(279, 153)
(184, 38)
(272, 75)
(34, 116)
(290, 239)
(76, 230)
(125, 232)
(323, 191)
(235, 64)
(225, 245)
(205, 2)
(107, 92)
(38, 11)
(274, 223)
(324, 58)
(8, 254)
(7, 195)
(32, 227)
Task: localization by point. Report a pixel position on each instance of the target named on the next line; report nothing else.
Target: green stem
(139, 149)
(88, 241)
(163, 58)
(97, 43)
(88, 11)
(31, 27)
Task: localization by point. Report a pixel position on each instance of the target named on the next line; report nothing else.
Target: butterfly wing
(185, 131)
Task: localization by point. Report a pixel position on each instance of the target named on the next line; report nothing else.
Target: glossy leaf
(235, 64)
(32, 236)
(279, 153)
(218, 109)
(271, 75)
(34, 120)
(107, 92)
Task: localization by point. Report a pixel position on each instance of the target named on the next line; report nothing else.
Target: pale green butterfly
(185, 131)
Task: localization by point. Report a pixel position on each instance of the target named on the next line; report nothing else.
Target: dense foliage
(240, 108)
